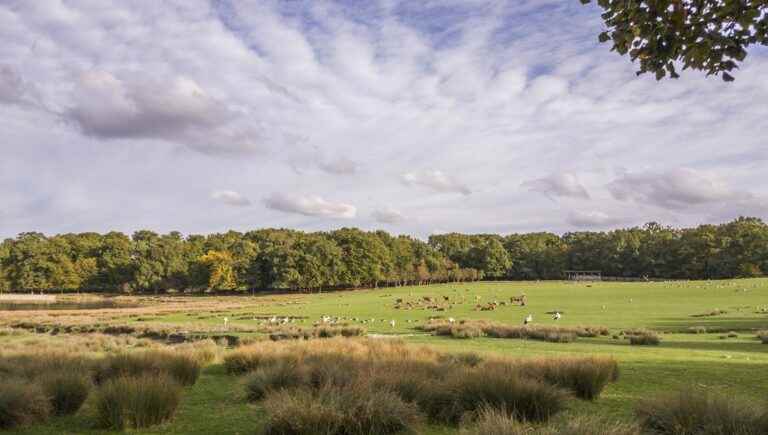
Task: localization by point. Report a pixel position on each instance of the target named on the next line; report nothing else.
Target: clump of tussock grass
(203, 351)
(465, 391)
(66, 391)
(479, 328)
(22, 403)
(444, 387)
(586, 378)
(490, 421)
(643, 337)
(763, 336)
(471, 359)
(136, 402)
(713, 313)
(183, 368)
(698, 412)
(697, 329)
(358, 410)
(273, 377)
(323, 331)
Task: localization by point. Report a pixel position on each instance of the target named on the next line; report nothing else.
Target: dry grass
(66, 391)
(643, 337)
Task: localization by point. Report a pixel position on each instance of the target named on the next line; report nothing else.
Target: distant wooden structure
(584, 275)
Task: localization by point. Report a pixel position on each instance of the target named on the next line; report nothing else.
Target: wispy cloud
(459, 111)
(310, 205)
(230, 197)
(436, 181)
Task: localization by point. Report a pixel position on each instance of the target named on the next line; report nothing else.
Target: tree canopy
(348, 258)
(707, 35)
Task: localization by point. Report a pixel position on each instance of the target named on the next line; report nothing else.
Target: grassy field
(713, 360)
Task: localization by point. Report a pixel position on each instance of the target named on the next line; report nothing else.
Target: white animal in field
(556, 316)
(528, 319)
(392, 323)
(226, 322)
(273, 319)
(451, 320)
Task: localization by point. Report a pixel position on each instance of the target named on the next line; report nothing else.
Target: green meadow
(727, 358)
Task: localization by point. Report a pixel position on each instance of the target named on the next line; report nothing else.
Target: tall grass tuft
(699, 412)
(643, 337)
(66, 391)
(465, 391)
(490, 421)
(358, 410)
(22, 403)
(183, 368)
(585, 377)
(136, 402)
(273, 377)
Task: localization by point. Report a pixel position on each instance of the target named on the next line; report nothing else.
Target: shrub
(335, 411)
(273, 377)
(22, 403)
(66, 391)
(184, 368)
(136, 402)
(697, 412)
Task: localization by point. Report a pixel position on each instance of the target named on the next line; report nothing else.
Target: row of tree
(295, 260)
(263, 259)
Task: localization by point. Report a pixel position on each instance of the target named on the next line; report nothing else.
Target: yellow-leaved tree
(221, 273)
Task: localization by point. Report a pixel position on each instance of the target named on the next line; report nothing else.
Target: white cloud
(310, 205)
(437, 181)
(593, 219)
(674, 189)
(388, 216)
(230, 197)
(559, 184)
(153, 94)
(339, 166)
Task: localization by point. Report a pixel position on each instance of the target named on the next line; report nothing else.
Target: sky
(412, 116)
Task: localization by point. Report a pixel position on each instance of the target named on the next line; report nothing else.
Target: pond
(63, 305)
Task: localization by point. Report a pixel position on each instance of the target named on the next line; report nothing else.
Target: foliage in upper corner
(705, 35)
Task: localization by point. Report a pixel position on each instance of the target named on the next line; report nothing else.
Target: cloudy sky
(413, 116)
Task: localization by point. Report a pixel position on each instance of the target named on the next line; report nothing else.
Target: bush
(359, 410)
(274, 377)
(22, 403)
(136, 402)
(183, 368)
(697, 412)
(66, 391)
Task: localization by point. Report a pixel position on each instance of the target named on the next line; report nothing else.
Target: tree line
(284, 259)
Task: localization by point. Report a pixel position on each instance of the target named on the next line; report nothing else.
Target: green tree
(707, 35)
